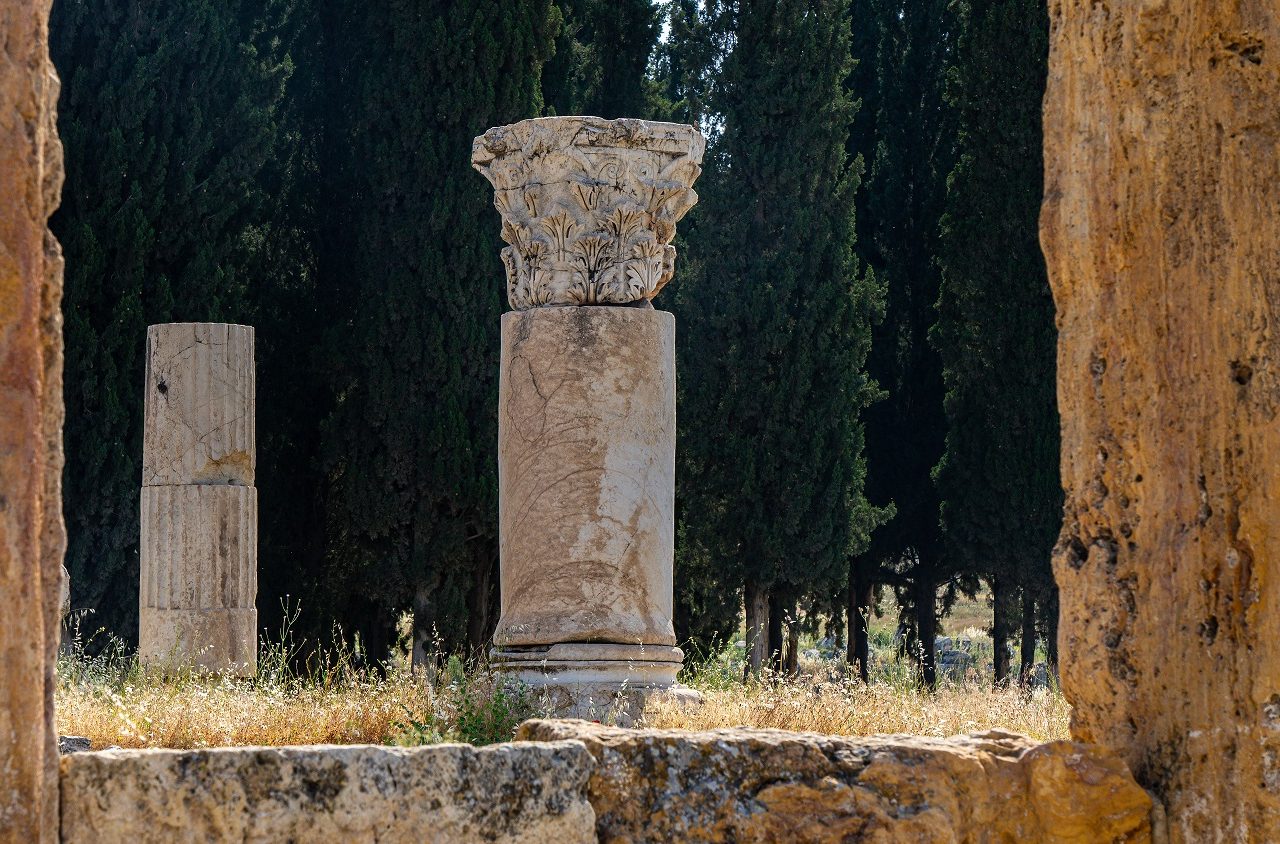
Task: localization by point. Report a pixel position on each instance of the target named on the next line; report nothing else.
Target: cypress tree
(601, 58)
(168, 118)
(774, 314)
(411, 250)
(913, 137)
(292, 314)
(998, 478)
(707, 601)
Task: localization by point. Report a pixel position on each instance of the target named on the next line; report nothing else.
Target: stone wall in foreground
(771, 785)
(575, 781)
(445, 794)
(1161, 229)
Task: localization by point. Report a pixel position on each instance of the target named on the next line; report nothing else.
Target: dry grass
(850, 708)
(109, 699)
(156, 713)
(336, 699)
(142, 711)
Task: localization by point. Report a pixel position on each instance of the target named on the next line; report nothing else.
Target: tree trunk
(1028, 637)
(481, 600)
(756, 598)
(1049, 616)
(791, 663)
(1001, 597)
(776, 616)
(859, 650)
(425, 651)
(926, 626)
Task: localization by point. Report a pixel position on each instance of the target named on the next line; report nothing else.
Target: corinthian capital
(589, 206)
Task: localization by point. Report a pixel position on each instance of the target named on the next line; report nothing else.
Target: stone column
(1161, 227)
(31, 533)
(199, 536)
(586, 401)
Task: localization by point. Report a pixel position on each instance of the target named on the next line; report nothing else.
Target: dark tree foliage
(601, 59)
(304, 167)
(910, 140)
(774, 313)
(1002, 499)
(292, 314)
(169, 121)
(707, 609)
(411, 253)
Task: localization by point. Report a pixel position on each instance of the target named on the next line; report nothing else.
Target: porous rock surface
(774, 786)
(1161, 229)
(446, 794)
(31, 411)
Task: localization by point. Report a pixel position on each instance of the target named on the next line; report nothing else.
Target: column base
(599, 682)
(216, 641)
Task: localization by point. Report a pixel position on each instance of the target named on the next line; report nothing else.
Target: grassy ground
(109, 699)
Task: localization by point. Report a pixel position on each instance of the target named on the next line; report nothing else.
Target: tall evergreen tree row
(775, 317)
(410, 447)
(170, 120)
(910, 140)
(998, 477)
(865, 336)
(601, 60)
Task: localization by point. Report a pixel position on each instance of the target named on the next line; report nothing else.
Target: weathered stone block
(446, 794)
(198, 418)
(771, 785)
(199, 578)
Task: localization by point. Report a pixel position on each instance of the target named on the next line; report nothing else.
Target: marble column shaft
(586, 451)
(199, 506)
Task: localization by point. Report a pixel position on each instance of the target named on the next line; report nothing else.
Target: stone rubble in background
(74, 744)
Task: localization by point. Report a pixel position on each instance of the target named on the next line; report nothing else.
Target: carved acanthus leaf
(589, 206)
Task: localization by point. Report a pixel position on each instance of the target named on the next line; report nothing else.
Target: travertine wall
(1161, 227)
(31, 532)
(446, 794)
(579, 782)
(777, 786)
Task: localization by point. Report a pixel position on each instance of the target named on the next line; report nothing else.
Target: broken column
(1161, 227)
(586, 401)
(199, 540)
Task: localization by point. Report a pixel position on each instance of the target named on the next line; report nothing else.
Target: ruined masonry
(199, 557)
(1161, 229)
(32, 538)
(586, 403)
